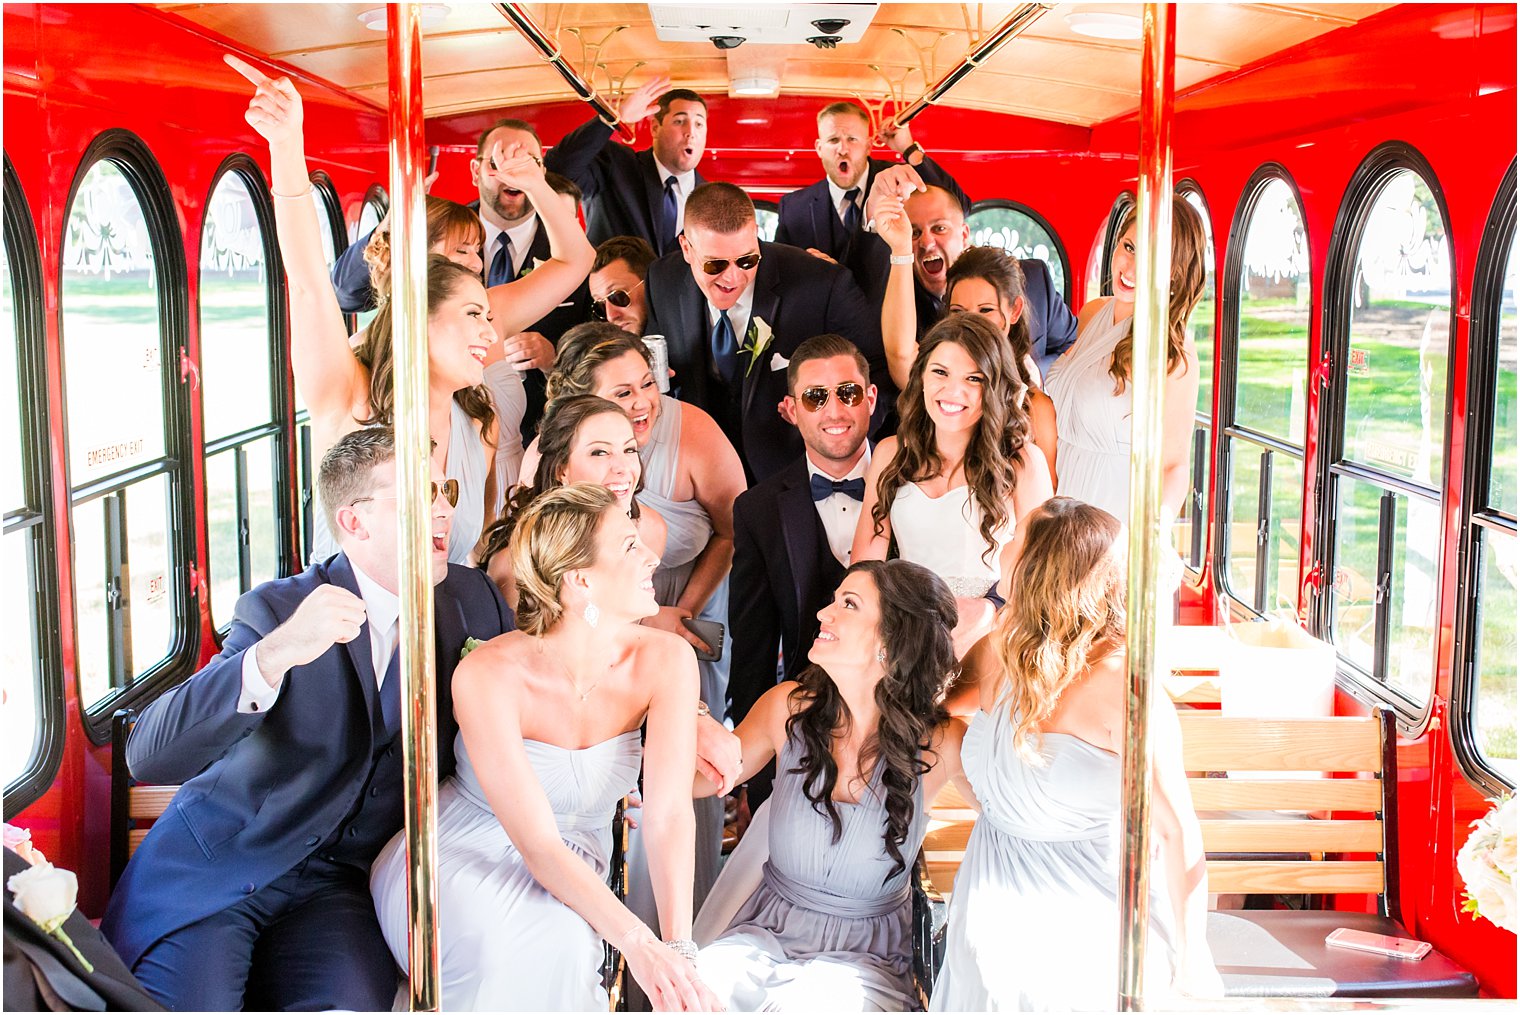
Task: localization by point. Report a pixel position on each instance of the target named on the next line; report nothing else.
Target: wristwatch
(911, 150)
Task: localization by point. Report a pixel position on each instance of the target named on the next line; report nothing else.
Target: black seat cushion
(1282, 953)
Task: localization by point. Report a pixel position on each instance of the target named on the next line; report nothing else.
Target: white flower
(1486, 862)
(45, 893)
(756, 341)
(19, 841)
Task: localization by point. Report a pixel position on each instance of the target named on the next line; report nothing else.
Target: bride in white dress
(1034, 918)
(1090, 382)
(549, 720)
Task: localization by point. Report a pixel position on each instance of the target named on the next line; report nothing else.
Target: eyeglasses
(718, 265)
(619, 298)
(849, 393)
(449, 488)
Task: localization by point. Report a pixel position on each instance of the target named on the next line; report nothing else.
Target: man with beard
(618, 293)
(643, 193)
(514, 244)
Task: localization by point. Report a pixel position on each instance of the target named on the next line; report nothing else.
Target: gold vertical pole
(408, 161)
(1147, 387)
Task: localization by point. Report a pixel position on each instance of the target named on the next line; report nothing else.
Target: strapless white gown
(944, 535)
(1092, 423)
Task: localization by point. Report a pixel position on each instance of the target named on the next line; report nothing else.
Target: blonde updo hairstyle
(556, 534)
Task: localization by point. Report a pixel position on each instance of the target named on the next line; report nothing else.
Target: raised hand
(514, 167)
(330, 615)
(275, 109)
(891, 221)
(643, 100)
(899, 139)
(897, 181)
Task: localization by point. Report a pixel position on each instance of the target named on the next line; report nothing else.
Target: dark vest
(376, 812)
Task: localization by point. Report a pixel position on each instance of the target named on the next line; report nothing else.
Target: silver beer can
(659, 360)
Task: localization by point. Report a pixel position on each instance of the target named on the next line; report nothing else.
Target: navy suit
(289, 804)
(799, 296)
(350, 277)
(621, 189)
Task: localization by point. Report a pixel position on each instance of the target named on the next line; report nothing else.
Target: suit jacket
(783, 574)
(42, 974)
(799, 296)
(808, 218)
(1052, 325)
(263, 791)
(622, 191)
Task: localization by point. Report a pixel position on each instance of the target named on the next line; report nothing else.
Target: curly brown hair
(999, 437)
(585, 348)
(1188, 276)
(994, 266)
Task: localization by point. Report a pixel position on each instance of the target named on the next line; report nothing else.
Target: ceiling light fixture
(1104, 25)
(755, 86)
(432, 17)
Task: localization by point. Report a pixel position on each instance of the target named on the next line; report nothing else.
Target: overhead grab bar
(550, 51)
(1007, 30)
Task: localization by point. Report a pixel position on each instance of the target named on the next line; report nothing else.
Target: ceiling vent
(761, 24)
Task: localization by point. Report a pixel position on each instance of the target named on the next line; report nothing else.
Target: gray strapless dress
(506, 943)
(1034, 917)
(827, 930)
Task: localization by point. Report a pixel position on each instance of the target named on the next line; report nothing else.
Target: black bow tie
(823, 487)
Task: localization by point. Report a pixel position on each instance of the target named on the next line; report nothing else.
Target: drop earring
(591, 613)
(881, 655)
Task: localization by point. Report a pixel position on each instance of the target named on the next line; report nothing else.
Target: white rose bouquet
(46, 894)
(1487, 865)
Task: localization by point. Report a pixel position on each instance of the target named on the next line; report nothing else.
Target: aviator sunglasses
(449, 488)
(619, 298)
(718, 265)
(814, 399)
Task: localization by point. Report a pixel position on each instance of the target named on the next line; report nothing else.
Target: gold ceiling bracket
(927, 53)
(591, 52)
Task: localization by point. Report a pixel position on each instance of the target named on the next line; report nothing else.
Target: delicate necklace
(583, 695)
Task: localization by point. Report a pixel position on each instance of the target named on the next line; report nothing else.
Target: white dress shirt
(836, 195)
(685, 183)
(383, 609)
(522, 236)
(839, 512)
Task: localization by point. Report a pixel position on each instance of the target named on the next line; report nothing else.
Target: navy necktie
(390, 692)
(669, 211)
(823, 487)
(725, 350)
(501, 262)
(851, 210)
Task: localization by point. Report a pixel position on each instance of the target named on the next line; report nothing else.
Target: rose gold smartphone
(1406, 948)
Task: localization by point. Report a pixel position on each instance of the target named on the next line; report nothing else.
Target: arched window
(125, 375)
(767, 218)
(1190, 526)
(1020, 231)
(33, 665)
(1263, 352)
(242, 390)
(1100, 260)
(1387, 338)
(376, 204)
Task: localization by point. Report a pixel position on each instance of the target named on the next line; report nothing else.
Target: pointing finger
(245, 68)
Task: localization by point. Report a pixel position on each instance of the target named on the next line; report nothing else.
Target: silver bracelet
(684, 947)
(900, 259)
(303, 195)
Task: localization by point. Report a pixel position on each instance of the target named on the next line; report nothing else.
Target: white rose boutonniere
(530, 267)
(1486, 862)
(46, 895)
(756, 340)
(470, 645)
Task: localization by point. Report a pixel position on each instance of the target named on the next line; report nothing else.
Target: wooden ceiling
(475, 60)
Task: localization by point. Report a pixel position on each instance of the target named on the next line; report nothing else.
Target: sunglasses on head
(718, 265)
(449, 489)
(619, 298)
(816, 398)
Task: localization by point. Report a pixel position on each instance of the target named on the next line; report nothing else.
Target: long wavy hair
(377, 353)
(446, 220)
(1066, 604)
(583, 350)
(1000, 434)
(1188, 272)
(917, 615)
(557, 433)
(994, 266)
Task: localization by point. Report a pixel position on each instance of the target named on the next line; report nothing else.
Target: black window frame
(1116, 212)
(305, 469)
(1008, 204)
(1226, 430)
(25, 257)
(375, 196)
(1477, 513)
(1367, 182)
(1202, 450)
(252, 178)
(135, 160)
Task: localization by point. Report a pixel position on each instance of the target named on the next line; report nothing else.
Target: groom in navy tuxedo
(252, 891)
(792, 532)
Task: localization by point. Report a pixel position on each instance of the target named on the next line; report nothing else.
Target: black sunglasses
(619, 298)
(718, 265)
(816, 398)
(449, 488)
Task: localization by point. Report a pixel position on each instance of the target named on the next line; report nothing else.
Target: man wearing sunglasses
(792, 532)
(734, 310)
(617, 283)
(256, 891)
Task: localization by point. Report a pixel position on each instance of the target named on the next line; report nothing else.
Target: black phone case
(710, 631)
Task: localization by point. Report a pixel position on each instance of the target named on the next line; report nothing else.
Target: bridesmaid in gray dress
(861, 742)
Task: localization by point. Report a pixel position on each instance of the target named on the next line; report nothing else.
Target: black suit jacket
(263, 791)
(621, 189)
(42, 974)
(1052, 325)
(783, 574)
(799, 296)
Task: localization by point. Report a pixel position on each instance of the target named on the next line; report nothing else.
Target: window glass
(234, 308)
(1095, 264)
(12, 491)
(1273, 346)
(111, 330)
(1494, 710)
(370, 214)
(767, 219)
(1281, 528)
(999, 224)
(324, 224)
(1201, 323)
(1400, 335)
(1501, 479)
